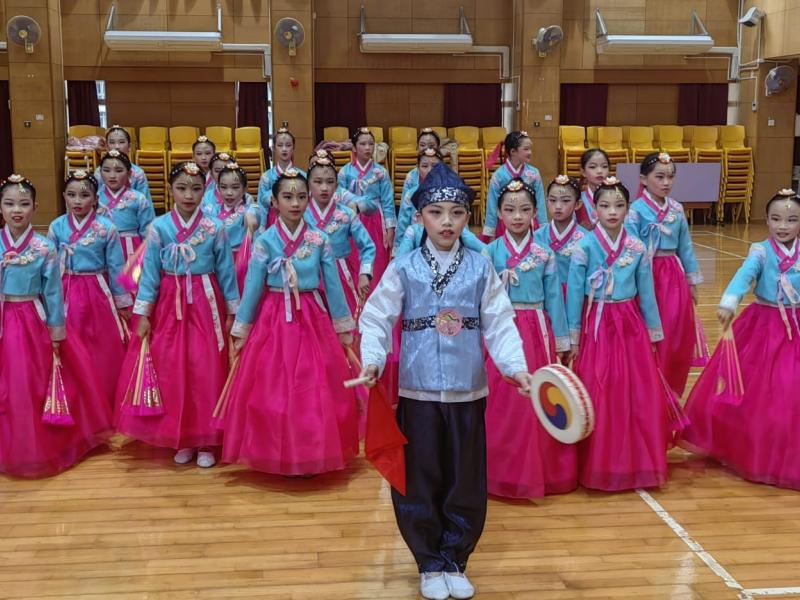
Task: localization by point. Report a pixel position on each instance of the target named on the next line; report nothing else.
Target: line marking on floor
(720, 251)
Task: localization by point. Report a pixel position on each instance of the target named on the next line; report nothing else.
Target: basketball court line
(711, 562)
(720, 251)
(722, 235)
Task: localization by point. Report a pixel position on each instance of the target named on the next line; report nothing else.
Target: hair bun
(16, 178)
(562, 180)
(611, 181)
(787, 192)
(201, 139)
(80, 174)
(664, 158)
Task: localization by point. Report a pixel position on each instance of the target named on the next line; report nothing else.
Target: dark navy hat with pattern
(442, 184)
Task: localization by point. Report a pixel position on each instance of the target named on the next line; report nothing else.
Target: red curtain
(339, 105)
(703, 104)
(6, 150)
(584, 104)
(474, 104)
(252, 109)
(82, 101)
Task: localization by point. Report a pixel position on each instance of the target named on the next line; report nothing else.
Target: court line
(687, 539)
(750, 593)
(722, 235)
(720, 251)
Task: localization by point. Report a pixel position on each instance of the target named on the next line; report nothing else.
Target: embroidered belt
(527, 305)
(665, 253)
(29, 298)
(430, 322)
(88, 273)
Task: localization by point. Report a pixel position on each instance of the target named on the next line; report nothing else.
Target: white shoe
(459, 586)
(205, 459)
(433, 586)
(183, 456)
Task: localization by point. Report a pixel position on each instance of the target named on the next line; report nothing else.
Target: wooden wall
(780, 29)
(419, 105)
(642, 104)
(338, 58)
(166, 104)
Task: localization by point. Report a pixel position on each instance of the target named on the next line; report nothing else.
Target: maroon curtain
(252, 110)
(339, 105)
(473, 104)
(6, 151)
(703, 104)
(584, 104)
(83, 105)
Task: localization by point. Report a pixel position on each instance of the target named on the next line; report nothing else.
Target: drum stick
(350, 383)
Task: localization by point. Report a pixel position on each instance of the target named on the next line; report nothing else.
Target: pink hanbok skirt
(759, 438)
(374, 226)
(92, 318)
(190, 357)
(676, 308)
(289, 413)
(523, 460)
(130, 243)
(628, 447)
(29, 447)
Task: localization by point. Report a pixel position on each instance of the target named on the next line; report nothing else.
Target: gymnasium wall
(646, 104)
(418, 105)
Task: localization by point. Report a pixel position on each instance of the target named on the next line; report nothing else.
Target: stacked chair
(610, 140)
(571, 146)
(403, 156)
(738, 173)
(640, 142)
(250, 155)
(152, 158)
(490, 137)
(471, 165)
(338, 134)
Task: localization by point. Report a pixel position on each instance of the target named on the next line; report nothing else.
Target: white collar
(787, 251)
(522, 245)
(614, 245)
(78, 223)
(16, 244)
(292, 235)
(567, 230)
(443, 257)
(324, 213)
(366, 166)
(192, 219)
(653, 200)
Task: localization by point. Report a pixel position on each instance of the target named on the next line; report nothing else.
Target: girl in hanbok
(97, 307)
(659, 221)
(613, 321)
(129, 210)
(288, 412)
(523, 460)
(203, 151)
(51, 410)
(563, 232)
(187, 288)
(361, 176)
(283, 155)
(118, 138)
(218, 161)
(426, 160)
(754, 429)
(519, 148)
(594, 170)
(236, 210)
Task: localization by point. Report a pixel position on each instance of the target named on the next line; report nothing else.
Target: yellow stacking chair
(688, 135)
(571, 145)
(403, 156)
(731, 136)
(610, 140)
(402, 139)
(704, 145)
(490, 137)
(75, 160)
(250, 155)
(80, 131)
(181, 139)
(377, 133)
(738, 173)
(466, 136)
(152, 158)
(336, 134)
(641, 144)
(591, 137)
(671, 141)
(221, 136)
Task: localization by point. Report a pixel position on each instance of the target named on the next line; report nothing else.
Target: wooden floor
(130, 525)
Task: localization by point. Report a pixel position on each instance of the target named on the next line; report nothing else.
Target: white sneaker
(459, 586)
(205, 459)
(433, 586)
(183, 456)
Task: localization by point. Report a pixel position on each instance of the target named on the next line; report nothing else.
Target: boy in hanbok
(754, 429)
(661, 224)
(51, 410)
(97, 307)
(129, 210)
(450, 299)
(185, 305)
(614, 324)
(289, 413)
(519, 149)
(524, 461)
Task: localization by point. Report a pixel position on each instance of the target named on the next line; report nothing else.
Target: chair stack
(490, 137)
(610, 140)
(250, 155)
(402, 157)
(338, 134)
(670, 140)
(86, 160)
(571, 146)
(738, 173)
(471, 165)
(152, 158)
(640, 142)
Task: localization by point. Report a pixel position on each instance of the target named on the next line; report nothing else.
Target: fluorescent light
(208, 41)
(415, 43)
(697, 42)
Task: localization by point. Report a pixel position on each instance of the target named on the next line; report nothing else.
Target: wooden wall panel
(642, 105)
(168, 104)
(417, 106)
